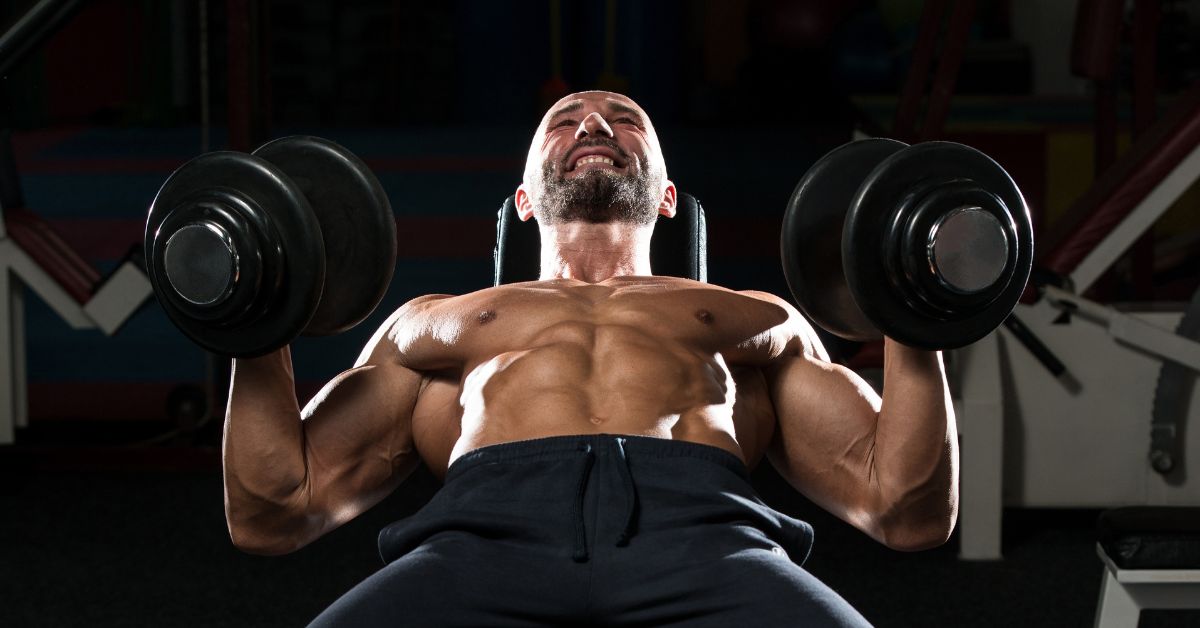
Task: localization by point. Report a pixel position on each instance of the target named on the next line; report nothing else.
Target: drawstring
(630, 495)
(581, 552)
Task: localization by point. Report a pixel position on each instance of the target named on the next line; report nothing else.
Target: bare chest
(679, 312)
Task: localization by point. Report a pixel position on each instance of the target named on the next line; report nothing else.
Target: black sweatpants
(597, 530)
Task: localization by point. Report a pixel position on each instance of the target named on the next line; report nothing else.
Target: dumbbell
(247, 251)
(929, 244)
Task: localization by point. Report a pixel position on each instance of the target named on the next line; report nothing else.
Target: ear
(667, 206)
(524, 204)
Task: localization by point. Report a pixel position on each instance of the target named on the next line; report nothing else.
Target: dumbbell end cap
(968, 250)
(201, 264)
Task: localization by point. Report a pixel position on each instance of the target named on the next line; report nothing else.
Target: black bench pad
(1151, 537)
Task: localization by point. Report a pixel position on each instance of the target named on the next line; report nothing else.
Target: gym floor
(114, 540)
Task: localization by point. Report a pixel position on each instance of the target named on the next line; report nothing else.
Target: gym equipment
(34, 258)
(929, 244)
(245, 252)
(357, 227)
(1126, 357)
(1151, 557)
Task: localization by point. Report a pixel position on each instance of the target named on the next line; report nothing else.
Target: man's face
(595, 158)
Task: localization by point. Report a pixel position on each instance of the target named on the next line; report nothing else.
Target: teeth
(594, 159)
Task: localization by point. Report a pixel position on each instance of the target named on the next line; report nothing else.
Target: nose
(593, 124)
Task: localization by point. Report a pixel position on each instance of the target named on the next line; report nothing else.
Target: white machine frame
(111, 303)
(1029, 439)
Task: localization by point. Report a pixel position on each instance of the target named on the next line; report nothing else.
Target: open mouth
(594, 157)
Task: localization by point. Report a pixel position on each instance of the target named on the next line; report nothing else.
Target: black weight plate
(811, 241)
(356, 222)
(871, 216)
(281, 212)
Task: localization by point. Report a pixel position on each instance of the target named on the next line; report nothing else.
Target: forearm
(915, 456)
(263, 448)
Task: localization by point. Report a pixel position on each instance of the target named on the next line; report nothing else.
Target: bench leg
(982, 420)
(20, 392)
(8, 401)
(1117, 607)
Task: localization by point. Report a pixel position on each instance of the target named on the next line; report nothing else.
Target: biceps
(358, 436)
(824, 443)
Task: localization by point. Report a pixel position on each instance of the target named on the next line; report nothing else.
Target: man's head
(595, 158)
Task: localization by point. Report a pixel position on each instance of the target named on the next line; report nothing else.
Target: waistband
(558, 447)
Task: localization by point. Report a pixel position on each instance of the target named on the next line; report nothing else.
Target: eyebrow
(573, 106)
(623, 108)
(612, 107)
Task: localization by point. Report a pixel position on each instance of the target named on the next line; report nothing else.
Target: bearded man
(594, 429)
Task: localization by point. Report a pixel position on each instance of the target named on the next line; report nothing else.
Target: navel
(704, 316)
(487, 316)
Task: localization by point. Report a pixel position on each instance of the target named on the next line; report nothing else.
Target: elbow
(265, 523)
(918, 528)
(266, 536)
(916, 539)
(259, 544)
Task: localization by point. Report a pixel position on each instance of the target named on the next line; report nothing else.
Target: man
(594, 429)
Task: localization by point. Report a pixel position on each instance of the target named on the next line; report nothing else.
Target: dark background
(111, 497)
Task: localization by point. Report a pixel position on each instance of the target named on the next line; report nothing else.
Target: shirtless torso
(653, 356)
(599, 346)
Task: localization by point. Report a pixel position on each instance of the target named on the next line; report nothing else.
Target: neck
(595, 252)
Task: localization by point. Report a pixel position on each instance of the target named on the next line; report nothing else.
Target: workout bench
(1151, 560)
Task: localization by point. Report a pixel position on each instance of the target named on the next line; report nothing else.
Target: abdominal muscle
(598, 379)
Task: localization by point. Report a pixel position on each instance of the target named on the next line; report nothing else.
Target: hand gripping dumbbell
(247, 251)
(929, 244)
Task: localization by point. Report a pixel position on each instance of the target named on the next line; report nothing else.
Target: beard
(598, 196)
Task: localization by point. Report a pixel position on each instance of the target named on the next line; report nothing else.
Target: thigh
(450, 580)
(763, 587)
(748, 583)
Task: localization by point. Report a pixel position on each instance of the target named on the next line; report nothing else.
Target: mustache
(590, 143)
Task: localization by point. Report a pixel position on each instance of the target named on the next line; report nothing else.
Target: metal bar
(1035, 345)
(241, 86)
(1146, 17)
(1130, 330)
(262, 73)
(20, 379)
(953, 50)
(205, 100)
(1141, 218)
(13, 258)
(8, 401)
(918, 71)
(33, 28)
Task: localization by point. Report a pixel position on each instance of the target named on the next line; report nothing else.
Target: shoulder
(405, 327)
(795, 334)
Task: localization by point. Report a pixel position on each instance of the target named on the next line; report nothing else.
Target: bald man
(594, 429)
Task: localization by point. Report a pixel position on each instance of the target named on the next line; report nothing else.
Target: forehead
(606, 102)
